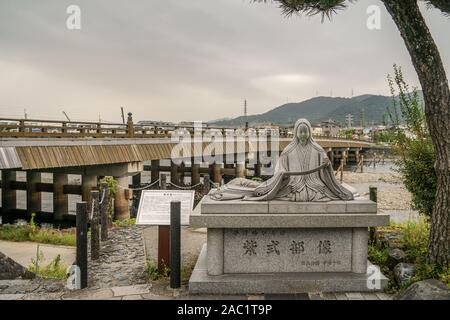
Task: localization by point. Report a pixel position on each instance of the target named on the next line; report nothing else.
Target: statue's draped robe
(320, 185)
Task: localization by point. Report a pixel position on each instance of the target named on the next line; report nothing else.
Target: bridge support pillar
(216, 172)
(34, 198)
(121, 199)
(195, 174)
(240, 170)
(88, 183)
(258, 169)
(8, 194)
(155, 170)
(60, 200)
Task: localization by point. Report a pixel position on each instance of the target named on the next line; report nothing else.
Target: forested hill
(319, 109)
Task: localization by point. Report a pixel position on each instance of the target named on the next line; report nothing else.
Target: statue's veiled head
(303, 131)
(303, 134)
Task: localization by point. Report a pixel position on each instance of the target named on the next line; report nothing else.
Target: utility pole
(245, 114)
(349, 120)
(362, 118)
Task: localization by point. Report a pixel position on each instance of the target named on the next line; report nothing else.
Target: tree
(433, 79)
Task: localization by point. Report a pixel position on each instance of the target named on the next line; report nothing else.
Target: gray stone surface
(122, 260)
(390, 239)
(276, 283)
(35, 286)
(287, 250)
(9, 269)
(11, 296)
(359, 205)
(426, 290)
(216, 253)
(359, 250)
(396, 256)
(403, 273)
(131, 290)
(330, 220)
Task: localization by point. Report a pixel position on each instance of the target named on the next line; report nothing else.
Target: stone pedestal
(285, 247)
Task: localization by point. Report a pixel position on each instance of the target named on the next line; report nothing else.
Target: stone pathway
(36, 289)
(52, 290)
(122, 260)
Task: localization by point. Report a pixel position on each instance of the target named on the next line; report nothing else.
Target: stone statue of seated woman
(303, 173)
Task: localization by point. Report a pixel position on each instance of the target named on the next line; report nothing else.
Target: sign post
(163, 247)
(154, 209)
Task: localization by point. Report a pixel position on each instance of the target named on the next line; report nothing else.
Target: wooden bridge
(93, 150)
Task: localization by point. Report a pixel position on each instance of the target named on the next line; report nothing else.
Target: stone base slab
(280, 283)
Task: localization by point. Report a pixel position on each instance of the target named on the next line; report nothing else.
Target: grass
(151, 268)
(35, 234)
(414, 237)
(54, 270)
(31, 232)
(124, 223)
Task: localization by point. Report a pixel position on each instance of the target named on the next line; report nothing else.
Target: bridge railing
(37, 128)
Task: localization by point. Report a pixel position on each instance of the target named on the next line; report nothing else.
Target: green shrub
(32, 232)
(414, 237)
(428, 271)
(378, 256)
(124, 223)
(54, 270)
(14, 233)
(54, 236)
(151, 268)
(413, 145)
(112, 185)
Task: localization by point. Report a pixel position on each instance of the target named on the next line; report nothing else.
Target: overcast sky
(180, 60)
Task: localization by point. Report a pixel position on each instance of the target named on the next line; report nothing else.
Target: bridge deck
(42, 153)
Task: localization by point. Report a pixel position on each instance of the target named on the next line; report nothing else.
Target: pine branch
(443, 5)
(327, 8)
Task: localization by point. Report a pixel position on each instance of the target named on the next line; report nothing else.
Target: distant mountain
(319, 109)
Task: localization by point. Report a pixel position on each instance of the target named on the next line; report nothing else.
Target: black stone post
(82, 254)
(175, 244)
(95, 219)
(373, 191)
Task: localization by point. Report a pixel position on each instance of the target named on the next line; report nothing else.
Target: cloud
(283, 85)
(189, 60)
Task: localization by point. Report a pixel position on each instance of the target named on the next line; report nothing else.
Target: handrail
(49, 128)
